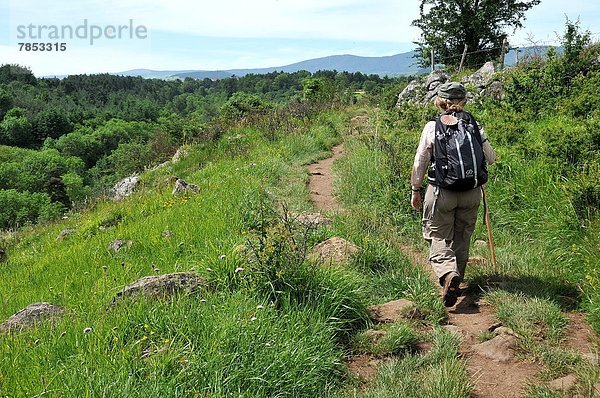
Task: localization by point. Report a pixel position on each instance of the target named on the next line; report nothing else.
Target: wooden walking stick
(489, 228)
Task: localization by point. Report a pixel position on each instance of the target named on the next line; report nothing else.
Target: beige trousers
(449, 219)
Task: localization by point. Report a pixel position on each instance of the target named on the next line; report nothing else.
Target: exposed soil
(320, 184)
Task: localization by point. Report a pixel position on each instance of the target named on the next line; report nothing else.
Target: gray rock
(118, 244)
(501, 348)
(494, 90)
(436, 79)
(180, 154)
(64, 233)
(482, 77)
(124, 188)
(161, 286)
(183, 187)
(393, 311)
(30, 316)
(563, 383)
(410, 93)
(334, 250)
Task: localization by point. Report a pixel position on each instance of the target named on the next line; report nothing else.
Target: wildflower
(115, 339)
(152, 332)
(166, 341)
(87, 330)
(146, 326)
(144, 337)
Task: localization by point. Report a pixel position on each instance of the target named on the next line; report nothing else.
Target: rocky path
(495, 369)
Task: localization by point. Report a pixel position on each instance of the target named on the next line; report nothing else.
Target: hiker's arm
(422, 159)
(423, 156)
(488, 151)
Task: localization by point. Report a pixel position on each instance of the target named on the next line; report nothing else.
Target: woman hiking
(456, 151)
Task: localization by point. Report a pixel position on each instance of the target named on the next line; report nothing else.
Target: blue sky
(227, 34)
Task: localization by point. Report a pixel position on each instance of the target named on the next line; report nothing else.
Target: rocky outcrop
(30, 316)
(161, 286)
(183, 187)
(334, 250)
(180, 154)
(424, 89)
(124, 188)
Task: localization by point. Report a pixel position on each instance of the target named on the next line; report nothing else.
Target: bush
(21, 208)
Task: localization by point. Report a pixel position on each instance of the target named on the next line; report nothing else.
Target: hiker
(456, 151)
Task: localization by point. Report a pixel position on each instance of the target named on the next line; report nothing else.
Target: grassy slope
(210, 347)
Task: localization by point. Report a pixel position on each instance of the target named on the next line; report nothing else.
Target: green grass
(436, 374)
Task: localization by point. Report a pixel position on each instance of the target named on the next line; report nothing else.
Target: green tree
(448, 25)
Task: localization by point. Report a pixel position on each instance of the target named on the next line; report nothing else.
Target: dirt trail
(320, 184)
(491, 378)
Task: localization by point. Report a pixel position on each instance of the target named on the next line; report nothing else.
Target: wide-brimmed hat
(452, 90)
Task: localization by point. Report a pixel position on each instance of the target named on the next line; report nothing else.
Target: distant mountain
(394, 65)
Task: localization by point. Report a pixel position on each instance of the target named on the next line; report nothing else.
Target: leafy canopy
(447, 25)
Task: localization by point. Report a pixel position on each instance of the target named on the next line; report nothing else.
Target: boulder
(410, 93)
(436, 79)
(30, 316)
(161, 286)
(183, 187)
(124, 188)
(393, 311)
(118, 244)
(501, 348)
(334, 250)
(483, 77)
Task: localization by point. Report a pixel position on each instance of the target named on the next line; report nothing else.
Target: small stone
(180, 154)
(181, 187)
(563, 383)
(477, 260)
(501, 348)
(592, 358)
(30, 316)
(393, 311)
(503, 330)
(118, 244)
(453, 329)
(480, 243)
(64, 233)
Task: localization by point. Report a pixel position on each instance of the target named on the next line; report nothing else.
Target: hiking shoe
(451, 289)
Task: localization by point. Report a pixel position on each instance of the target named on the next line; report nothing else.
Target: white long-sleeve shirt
(425, 148)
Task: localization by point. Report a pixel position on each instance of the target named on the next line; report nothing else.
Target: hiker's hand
(415, 200)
